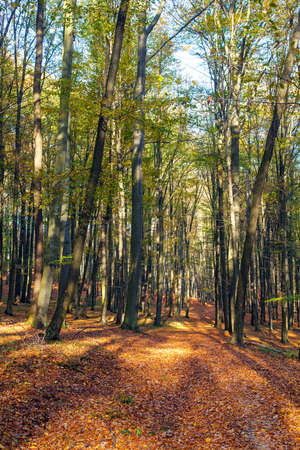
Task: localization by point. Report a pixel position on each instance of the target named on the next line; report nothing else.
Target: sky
(192, 67)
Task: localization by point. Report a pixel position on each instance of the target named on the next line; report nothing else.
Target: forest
(149, 224)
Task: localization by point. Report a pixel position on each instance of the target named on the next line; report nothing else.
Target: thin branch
(7, 26)
(156, 17)
(180, 30)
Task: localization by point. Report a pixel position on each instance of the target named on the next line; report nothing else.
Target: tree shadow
(281, 379)
(179, 404)
(27, 406)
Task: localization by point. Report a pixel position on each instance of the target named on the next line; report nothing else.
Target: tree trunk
(160, 236)
(38, 153)
(134, 281)
(225, 300)
(26, 258)
(121, 240)
(104, 271)
(28, 292)
(284, 257)
(131, 309)
(20, 257)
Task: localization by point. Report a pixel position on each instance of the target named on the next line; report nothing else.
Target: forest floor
(181, 386)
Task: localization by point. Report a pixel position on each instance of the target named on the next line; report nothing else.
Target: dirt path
(178, 387)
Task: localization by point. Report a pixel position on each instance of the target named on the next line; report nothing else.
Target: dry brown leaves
(182, 386)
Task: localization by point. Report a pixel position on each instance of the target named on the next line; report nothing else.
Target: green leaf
(284, 299)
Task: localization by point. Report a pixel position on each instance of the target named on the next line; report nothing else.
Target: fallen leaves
(179, 387)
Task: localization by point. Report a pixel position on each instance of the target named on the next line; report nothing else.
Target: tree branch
(180, 30)
(156, 17)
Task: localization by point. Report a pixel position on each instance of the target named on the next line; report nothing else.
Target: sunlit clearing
(145, 321)
(170, 352)
(178, 325)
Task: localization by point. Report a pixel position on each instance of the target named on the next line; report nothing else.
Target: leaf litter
(182, 386)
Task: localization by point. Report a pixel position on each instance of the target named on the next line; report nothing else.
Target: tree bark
(131, 310)
(38, 153)
(160, 236)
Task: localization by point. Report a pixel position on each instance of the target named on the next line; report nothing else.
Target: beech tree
(130, 320)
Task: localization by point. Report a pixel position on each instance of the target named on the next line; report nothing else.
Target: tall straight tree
(63, 302)
(134, 280)
(2, 150)
(38, 316)
(38, 150)
(279, 108)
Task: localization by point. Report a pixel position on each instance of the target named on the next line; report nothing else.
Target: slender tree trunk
(297, 284)
(236, 66)
(232, 251)
(20, 259)
(260, 260)
(104, 271)
(28, 291)
(96, 264)
(225, 300)
(26, 257)
(160, 237)
(218, 286)
(177, 303)
(3, 34)
(2, 166)
(181, 264)
(121, 240)
(64, 270)
(216, 247)
(110, 249)
(92, 231)
(254, 300)
(268, 272)
(38, 153)
(131, 310)
(284, 257)
(290, 250)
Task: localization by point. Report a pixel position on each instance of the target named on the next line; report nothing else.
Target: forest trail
(182, 386)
